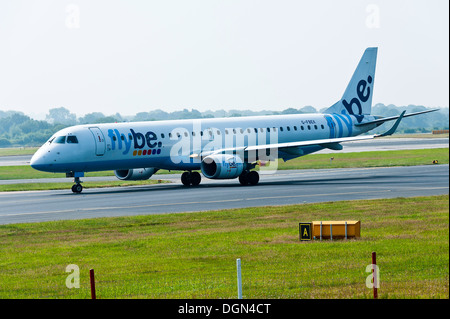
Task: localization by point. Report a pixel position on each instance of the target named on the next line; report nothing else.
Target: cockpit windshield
(60, 140)
(72, 139)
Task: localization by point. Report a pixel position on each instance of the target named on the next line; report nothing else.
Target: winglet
(393, 128)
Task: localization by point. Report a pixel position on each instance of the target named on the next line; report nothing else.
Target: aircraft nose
(38, 162)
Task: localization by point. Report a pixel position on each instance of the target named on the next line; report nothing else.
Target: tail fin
(357, 99)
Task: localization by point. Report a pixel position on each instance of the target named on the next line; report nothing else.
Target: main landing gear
(249, 178)
(194, 178)
(191, 178)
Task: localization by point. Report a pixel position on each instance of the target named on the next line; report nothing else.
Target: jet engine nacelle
(136, 174)
(222, 166)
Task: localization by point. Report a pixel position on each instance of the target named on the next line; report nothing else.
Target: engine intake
(222, 166)
(136, 174)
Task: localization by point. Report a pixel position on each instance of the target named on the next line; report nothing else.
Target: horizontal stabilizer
(385, 119)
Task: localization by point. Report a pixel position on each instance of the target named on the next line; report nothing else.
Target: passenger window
(72, 139)
(60, 140)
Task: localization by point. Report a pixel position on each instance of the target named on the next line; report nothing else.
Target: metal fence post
(239, 278)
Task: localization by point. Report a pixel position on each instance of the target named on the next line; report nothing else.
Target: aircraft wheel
(243, 179)
(186, 178)
(195, 178)
(77, 188)
(253, 177)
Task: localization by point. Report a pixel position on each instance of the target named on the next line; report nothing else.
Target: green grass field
(193, 255)
(11, 151)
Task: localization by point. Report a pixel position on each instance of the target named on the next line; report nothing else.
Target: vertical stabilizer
(357, 99)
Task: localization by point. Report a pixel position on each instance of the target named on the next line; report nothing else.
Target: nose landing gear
(77, 188)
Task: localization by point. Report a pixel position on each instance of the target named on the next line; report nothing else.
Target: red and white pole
(374, 271)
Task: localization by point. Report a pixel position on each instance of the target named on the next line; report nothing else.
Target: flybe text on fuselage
(136, 139)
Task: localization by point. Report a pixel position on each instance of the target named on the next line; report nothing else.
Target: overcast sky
(133, 56)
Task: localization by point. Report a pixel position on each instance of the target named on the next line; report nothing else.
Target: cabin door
(100, 144)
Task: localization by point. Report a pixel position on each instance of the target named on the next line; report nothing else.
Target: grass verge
(193, 255)
(56, 186)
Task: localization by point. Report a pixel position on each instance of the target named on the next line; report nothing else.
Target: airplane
(221, 148)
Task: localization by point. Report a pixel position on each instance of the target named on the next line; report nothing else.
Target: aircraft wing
(332, 143)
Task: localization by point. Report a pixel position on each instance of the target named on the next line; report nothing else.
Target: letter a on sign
(305, 231)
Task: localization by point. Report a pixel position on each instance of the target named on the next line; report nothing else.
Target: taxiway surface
(281, 188)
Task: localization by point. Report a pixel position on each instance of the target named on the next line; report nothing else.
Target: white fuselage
(171, 144)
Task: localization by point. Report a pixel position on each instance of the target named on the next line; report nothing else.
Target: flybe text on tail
(357, 98)
(363, 92)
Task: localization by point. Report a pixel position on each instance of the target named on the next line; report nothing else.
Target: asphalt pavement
(281, 188)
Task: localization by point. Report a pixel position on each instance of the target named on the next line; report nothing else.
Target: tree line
(18, 129)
